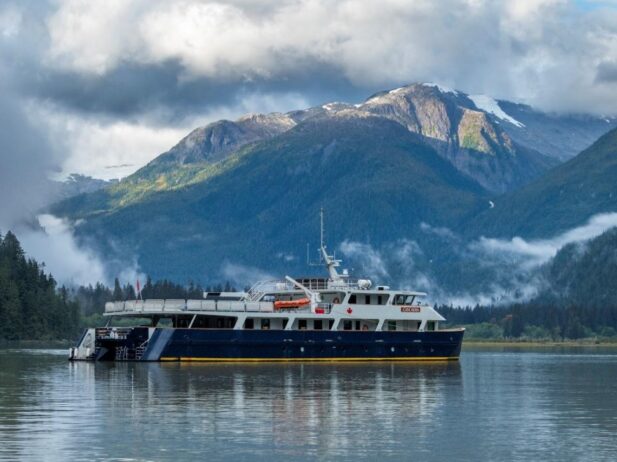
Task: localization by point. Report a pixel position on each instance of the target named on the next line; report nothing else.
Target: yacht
(330, 318)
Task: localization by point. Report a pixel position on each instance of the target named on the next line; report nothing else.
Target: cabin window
(302, 324)
(330, 324)
(249, 323)
(367, 299)
(347, 325)
(357, 325)
(352, 298)
(391, 325)
(402, 299)
(380, 300)
(265, 324)
(318, 324)
(430, 325)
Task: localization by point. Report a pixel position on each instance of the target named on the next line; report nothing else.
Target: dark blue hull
(168, 344)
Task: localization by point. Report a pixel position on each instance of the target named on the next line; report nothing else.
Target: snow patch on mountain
(488, 104)
(441, 88)
(397, 90)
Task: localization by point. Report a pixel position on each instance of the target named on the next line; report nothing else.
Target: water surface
(495, 404)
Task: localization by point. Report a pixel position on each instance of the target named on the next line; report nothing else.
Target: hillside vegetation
(31, 304)
(563, 198)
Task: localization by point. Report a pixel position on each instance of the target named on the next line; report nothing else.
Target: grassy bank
(523, 343)
(37, 344)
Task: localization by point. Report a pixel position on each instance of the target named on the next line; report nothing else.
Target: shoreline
(539, 343)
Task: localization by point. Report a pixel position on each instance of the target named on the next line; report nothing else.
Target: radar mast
(330, 260)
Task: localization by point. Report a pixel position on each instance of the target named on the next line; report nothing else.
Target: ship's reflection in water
(491, 406)
(322, 409)
(301, 409)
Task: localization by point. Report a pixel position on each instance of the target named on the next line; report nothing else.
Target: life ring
(336, 301)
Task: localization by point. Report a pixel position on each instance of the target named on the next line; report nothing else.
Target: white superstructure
(333, 303)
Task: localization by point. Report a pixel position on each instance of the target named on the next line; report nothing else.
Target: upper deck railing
(180, 306)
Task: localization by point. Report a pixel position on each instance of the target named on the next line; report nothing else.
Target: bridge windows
(403, 299)
(367, 299)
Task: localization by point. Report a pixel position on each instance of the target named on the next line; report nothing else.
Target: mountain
(468, 137)
(560, 136)
(214, 141)
(585, 273)
(76, 184)
(259, 207)
(471, 132)
(563, 198)
(414, 168)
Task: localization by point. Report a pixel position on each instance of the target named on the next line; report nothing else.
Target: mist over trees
(32, 306)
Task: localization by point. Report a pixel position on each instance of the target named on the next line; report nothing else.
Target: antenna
(321, 219)
(322, 244)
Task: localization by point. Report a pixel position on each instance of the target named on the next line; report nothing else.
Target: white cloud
(510, 268)
(69, 262)
(55, 246)
(242, 275)
(368, 258)
(10, 21)
(114, 148)
(536, 252)
(109, 149)
(544, 51)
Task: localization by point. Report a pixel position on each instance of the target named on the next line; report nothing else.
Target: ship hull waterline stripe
(342, 359)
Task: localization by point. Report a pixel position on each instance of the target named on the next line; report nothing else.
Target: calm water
(494, 405)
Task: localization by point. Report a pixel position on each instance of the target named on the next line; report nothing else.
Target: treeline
(32, 306)
(92, 299)
(535, 321)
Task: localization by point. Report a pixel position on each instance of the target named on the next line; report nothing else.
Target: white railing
(179, 306)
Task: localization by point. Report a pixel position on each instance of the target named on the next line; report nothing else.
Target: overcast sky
(101, 87)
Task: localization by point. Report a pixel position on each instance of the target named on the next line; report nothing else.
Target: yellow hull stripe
(252, 360)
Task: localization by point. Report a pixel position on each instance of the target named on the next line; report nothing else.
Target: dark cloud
(607, 72)
(161, 90)
(26, 159)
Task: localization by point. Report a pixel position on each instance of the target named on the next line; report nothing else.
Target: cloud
(494, 271)
(536, 252)
(26, 158)
(370, 260)
(52, 242)
(108, 147)
(117, 80)
(440, 231)
(543, 51)
(105, 148)
(55, 246)
(242, 275)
